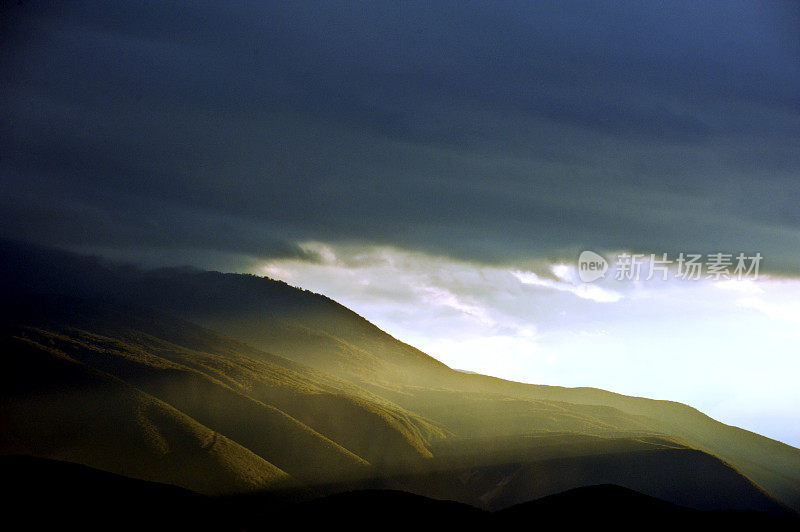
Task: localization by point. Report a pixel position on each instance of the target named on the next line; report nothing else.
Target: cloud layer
(492, 132)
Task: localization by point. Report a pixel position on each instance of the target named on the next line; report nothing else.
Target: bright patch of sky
(727, 347)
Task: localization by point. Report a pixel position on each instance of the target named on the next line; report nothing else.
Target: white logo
(591, 266)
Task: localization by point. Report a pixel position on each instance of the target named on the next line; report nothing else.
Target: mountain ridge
(252, 344)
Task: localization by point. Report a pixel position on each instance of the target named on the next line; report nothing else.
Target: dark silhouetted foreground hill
(45, 494)
(616, 508)
(54, 495)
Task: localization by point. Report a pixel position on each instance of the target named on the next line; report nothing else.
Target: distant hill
(56, 495)
(225, 383)
(53, 495)
(618, 508)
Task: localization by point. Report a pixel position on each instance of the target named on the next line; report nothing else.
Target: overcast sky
(483, 130)
(464, 136)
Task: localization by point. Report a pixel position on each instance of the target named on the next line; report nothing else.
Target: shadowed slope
(278, 413)
(494, 473)
(771, 464)
(56, 407)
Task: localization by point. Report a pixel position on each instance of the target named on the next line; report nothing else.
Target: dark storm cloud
(486, 130)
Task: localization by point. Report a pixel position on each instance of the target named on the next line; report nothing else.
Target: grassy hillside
(461, 402)
(313, 431)
(771, 464)
(320, 397)
(56, 407)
